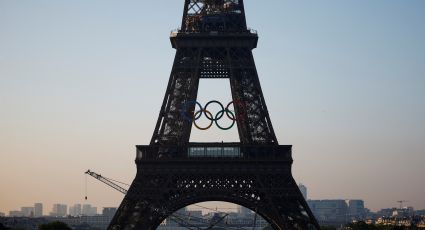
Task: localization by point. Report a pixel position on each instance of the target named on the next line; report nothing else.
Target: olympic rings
(189, 114)
(227, 112)
(211, 118)
(205, 112)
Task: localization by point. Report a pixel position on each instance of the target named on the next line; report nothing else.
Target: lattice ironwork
(162, 187)
(213, 42)
(213, 15)
(194, 63)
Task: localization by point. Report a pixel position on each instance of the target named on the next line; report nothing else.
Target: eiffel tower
(172, 173)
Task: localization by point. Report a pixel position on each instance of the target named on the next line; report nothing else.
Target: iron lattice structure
(214, 42)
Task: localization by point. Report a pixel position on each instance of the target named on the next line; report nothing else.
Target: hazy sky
(82, 82)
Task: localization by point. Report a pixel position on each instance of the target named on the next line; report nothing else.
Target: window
(214, 152)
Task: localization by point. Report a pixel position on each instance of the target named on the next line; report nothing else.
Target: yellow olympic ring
(196, 114)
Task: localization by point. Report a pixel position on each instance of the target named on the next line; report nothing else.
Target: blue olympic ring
(185, 110)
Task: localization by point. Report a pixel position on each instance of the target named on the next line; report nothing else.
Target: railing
(252, 31)
(178, 31)
(201, 151)
(175, 32)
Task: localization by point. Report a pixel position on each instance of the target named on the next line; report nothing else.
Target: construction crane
(110, 183)
(216, 222)
(401, 203)
(176, 218)
(107, 181)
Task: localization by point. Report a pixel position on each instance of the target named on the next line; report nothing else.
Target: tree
(362, 226)
(56, 225)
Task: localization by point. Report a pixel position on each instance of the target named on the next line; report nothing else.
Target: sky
(82, 82)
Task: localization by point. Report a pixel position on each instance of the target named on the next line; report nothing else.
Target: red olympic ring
(238, 116)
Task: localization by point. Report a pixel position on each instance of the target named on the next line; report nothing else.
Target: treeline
(364, 226)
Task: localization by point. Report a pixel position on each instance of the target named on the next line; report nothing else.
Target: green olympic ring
(227, 112)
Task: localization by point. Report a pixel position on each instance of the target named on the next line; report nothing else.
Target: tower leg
(160, 190)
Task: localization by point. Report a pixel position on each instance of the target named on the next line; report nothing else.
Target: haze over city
(81, 83)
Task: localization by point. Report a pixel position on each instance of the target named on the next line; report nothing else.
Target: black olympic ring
(187, 109)
(211, 118)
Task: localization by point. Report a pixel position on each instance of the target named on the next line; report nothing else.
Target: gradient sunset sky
(82, 82)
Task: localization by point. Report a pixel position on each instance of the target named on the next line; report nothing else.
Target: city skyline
(57, 210)
(343, 81)
(328, 212)
(78, 209)
(353, 208)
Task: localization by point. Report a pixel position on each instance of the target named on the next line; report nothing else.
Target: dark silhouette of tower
(213, 42)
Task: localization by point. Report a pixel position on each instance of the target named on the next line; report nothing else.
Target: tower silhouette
(213, 42)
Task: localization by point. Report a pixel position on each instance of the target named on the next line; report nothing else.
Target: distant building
(2, 214)
(369, 215)
(85, 221)
(21, 222)
(303, 190)
(243, 212)
(335, 211)
(38, 210)
(27, 211)
(96, 221)
(16, 214)
(420, 212)
(88, 210)
(356, 209)
(59, 210)
(109, 212)
(194, 218)
(403, 212)
(70, 221)
(94, 211)
(386, 212)
(195, 213)
(75, 210)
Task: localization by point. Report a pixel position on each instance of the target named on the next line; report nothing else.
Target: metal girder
(236, 64)
(213, 15)
(161, 188)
